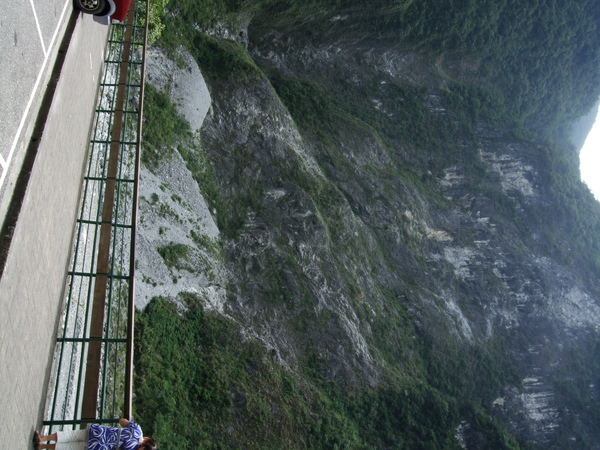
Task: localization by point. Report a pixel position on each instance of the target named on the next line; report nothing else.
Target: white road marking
(2, 162)
(37, 24)
(92, 68)
(6, 163)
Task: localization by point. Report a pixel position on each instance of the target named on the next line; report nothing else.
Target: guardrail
(93, 366)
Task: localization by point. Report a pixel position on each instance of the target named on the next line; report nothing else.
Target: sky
(590, 159)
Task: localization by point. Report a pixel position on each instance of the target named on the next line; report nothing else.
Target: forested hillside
(407, 254)
(538, 61)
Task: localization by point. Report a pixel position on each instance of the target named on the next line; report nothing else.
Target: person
(98, 437)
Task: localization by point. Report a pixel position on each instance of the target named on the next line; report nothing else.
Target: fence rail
(92, 371)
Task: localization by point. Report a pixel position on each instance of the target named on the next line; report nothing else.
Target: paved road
(30, 32)
(31, 288)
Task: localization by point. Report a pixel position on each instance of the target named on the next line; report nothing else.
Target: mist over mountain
(581, 128)
(377, 237)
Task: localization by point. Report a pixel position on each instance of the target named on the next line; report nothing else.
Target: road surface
(33, 282)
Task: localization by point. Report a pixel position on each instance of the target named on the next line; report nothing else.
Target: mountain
(377, 236)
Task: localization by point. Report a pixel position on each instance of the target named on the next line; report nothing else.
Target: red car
(115, 9)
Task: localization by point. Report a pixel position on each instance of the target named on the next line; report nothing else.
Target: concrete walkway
(33, 283)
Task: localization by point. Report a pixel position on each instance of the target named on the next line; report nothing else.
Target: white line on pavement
(32, 96)
(37, 23)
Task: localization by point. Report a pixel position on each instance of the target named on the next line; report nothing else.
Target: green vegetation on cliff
(507, 72)
(201, 382)
(541, 58)
(201, 385)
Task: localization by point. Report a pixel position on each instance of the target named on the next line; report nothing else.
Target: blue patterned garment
(102, 437)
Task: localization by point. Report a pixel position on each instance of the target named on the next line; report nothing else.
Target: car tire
(105, 11)
(90, 6)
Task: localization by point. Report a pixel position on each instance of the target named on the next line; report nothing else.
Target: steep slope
(418, 269)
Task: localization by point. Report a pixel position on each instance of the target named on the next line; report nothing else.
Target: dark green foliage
(576, 215)
(173, 378)
(217, 57)
(490, 432)
(197, 163)
(222, 58)
(307, 102)
(163, 125)
(542, 57)
(184, 16)
(545, 54)
(476, 375)
(208, 244)
(199, 384)
(473, 103)
(174, 255)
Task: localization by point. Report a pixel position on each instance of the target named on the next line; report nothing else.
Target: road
(30, 33)
(33, 282)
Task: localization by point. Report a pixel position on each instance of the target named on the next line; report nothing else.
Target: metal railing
(93, 363)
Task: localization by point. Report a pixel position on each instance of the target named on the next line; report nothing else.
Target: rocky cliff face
(356, 219)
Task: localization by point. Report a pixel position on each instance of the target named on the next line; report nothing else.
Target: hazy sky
(590, 159)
